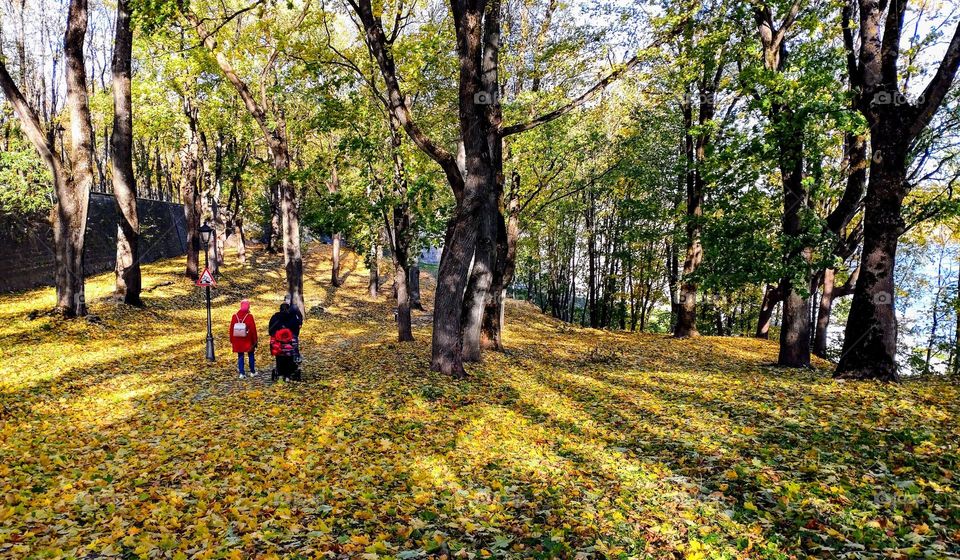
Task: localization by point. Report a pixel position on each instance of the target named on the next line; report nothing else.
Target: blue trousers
(240, 362)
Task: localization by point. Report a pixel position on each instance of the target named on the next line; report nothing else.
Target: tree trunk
(592, 260)
(124, 183)
(373, 264)
(292, 256)
(191, 210)
(335, 264)
(414, 285)
(486, 278)
(334, 186)
(687, 299)
(401, 238)
(481, 279)
(461, 238)
(795, 325)
(955, 365)
(507, 235)
(870, 340)
(401, 271)
(823, 316)
(71, 209)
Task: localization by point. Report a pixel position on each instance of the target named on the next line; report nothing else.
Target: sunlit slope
(118, 440)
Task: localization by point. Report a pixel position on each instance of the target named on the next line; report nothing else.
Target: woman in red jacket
(243, 336)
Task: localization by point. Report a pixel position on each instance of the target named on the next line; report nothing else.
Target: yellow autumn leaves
(118, 441)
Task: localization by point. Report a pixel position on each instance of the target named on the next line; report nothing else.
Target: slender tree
(274, 129)
(121, 157)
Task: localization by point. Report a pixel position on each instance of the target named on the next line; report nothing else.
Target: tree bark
(401, 271)
(507, 235)
(71, 209)
(401, 237)
(128, 281)
(485, 282)
(870, 340)
(189, 162)
(481, 279)
(795, 325)
(687, 299)
(414, 283)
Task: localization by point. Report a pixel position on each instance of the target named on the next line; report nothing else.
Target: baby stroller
(286, 348)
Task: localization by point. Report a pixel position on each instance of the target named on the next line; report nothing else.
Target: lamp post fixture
(205, 233)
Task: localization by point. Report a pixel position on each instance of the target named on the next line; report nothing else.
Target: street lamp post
(205, 232)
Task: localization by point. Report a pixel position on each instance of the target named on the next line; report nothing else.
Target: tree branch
(29, 121)
(938, 87)
(578, 102)
(377, 42)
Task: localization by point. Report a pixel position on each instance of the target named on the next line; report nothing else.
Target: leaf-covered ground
(118, 440)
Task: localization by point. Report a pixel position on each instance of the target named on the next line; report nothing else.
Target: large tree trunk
(795, 325)
(870, 343)
(124, 183)
(401, 271)
(71, 210)
(485, 282)
(461, 238)
(870, 340)
(787, 133)
(402, 224)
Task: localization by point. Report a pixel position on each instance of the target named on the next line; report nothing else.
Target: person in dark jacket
(281, 320)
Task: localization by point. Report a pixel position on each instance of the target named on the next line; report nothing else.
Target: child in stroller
(285, 344)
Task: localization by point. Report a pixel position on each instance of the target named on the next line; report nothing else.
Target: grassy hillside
(118, 440)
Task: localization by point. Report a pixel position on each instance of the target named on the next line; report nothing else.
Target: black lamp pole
(205, 232)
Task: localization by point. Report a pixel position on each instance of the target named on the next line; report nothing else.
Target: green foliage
(25, 183)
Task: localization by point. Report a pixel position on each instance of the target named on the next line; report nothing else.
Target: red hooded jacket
(244, 343)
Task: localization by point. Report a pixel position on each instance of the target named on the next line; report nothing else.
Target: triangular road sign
(206, 279)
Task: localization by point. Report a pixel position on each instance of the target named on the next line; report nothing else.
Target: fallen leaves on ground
(117, 440)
